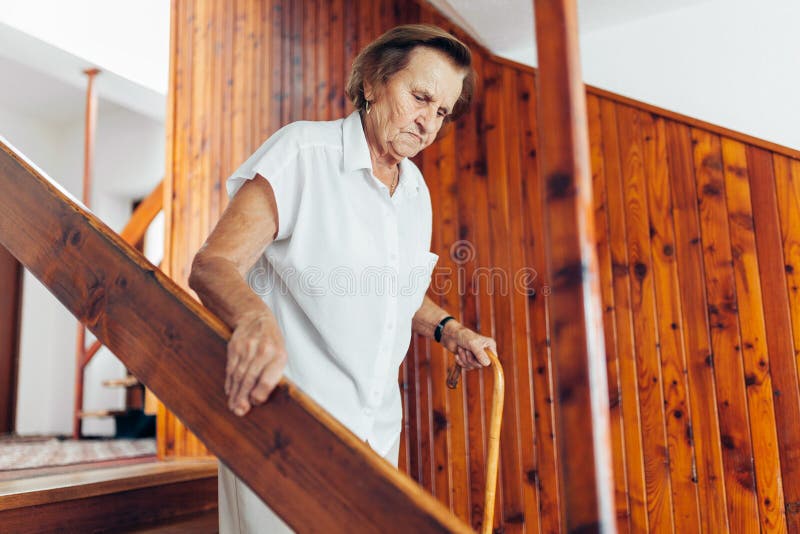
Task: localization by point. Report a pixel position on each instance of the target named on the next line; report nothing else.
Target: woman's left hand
(468, 346)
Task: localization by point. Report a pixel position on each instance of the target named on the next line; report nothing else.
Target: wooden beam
(579, 376)
(307, 466)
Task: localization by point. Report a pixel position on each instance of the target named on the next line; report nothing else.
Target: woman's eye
(442, 113)
(419, 98)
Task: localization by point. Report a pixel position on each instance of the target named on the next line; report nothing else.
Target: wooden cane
(495, 421)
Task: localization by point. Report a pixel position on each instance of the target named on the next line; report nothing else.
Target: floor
(22, 457)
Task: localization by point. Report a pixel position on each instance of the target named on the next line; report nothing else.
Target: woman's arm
(256, 352)
(466, 344)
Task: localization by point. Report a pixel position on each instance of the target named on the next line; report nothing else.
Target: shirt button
(390, 326)
(369, 411)
(375, 395)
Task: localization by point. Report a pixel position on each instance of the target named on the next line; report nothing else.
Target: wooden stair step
(111, 499)
(127, 382)
(101, 413)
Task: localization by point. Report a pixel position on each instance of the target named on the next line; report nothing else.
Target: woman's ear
(369, 91)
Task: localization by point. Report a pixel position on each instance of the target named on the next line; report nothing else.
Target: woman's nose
(426, 118)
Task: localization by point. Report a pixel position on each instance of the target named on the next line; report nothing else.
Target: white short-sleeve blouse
(348, 269)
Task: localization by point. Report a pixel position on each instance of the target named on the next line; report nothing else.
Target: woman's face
(407, 112)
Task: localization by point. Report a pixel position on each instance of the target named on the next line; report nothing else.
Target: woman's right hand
(256, 360)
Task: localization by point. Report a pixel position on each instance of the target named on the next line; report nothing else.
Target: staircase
(302, 462)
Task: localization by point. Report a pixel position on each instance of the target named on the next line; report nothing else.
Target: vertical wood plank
(522, 279)
(751, 348)
(780, 345)
(543, 475)
(337, 62)
(603, 246)
(670, 323)
(462, 253)
(647, 347)
(310, 44)
(705, 435)
(637, 497)
(723, 319)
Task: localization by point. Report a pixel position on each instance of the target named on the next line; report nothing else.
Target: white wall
(735, 63)
(129, 162)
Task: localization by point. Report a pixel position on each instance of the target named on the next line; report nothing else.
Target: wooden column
(579, 376)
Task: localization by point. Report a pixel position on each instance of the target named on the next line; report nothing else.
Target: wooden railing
(133, 232)
(307, 466)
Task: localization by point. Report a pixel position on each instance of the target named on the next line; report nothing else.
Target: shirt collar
(356, 154)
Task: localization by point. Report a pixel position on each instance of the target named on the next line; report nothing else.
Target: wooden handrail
(143, 215)
(310, 469)
(495, 423)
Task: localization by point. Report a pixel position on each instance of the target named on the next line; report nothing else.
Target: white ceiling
(506, 26)
(41, 80)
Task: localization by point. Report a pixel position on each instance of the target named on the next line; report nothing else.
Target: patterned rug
(27, 453)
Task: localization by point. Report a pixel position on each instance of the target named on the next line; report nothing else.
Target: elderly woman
(321, 261)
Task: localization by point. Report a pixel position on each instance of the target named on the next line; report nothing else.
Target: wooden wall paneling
(439, 410)
(544, 476)
(462, 253)
(521, 281)
(177, 202)
(277, 54)
(337, 74)
(197, 172)
(263, 73)
(297, 88)
(456, 416)
(500, 82)
(787, 184)
(737, 450)
(310, 43)
(497, 320)
(626, 350)
(704, 434)
(286, 56)
(476, 215)
(322, 60)
(241, 83)
(751, 348)
(404, 459)
(647, 348)
(670, 322)
(367, 31)
(351, 16)
(411, 427)
(600, 197)
(780, 345)
(221, 97)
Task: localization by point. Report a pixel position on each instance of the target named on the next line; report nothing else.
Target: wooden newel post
(577, 344)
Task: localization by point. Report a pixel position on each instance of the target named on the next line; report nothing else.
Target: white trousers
(242, 512)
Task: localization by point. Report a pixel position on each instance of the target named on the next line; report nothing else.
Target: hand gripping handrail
(495, 422)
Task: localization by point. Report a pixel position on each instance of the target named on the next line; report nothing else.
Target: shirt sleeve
(279, 161)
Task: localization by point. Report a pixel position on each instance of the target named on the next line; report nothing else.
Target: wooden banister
(580, 403)
(143, 215)
(306, 465)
